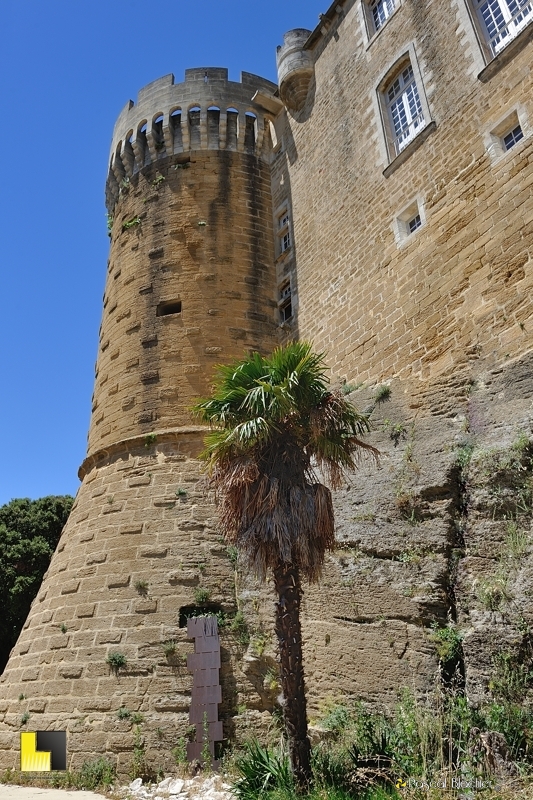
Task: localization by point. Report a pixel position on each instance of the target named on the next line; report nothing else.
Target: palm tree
(276, 426)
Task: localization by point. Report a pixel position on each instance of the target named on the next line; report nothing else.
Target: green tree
(29, 533)
(277, 427)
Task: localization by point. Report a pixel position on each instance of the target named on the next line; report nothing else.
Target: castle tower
(190, 283)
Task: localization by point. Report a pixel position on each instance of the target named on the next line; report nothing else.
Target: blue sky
(67, 68)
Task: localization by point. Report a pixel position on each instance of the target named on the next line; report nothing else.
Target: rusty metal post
(204, 663)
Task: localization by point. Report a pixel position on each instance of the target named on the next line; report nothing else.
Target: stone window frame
(494, 137)
(370, 32)
(403, 234)
(396, 158)
(283, 228)
(497, 57)
(285, 301)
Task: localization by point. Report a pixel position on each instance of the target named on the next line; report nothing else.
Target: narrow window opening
(143, 144)
(405, 109)
(175, 127)
(250, 132)
(232, 128)
(157, 132)
(285, 302)
(168, 307)
(213, 126)
(194, 125)
(284, 231)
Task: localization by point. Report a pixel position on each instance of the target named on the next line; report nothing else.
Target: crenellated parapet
(205, 112)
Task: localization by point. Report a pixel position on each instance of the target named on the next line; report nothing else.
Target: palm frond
(271, 419)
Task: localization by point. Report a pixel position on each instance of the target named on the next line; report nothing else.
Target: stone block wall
(201, 236)
(458, 290)
(140, 541)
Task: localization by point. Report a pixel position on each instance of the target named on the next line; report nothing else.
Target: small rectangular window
(513, 137)
(506, 134)
(285, 302)
(284, 231)
(168, 307)
(409, 221)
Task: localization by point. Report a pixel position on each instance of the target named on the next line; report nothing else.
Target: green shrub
(515, 724)
(169, 648)
(232, 553)
(94, 774)
(239, 627)
(179, 753)
(131, 223)
(382, 393)
(201, 596)
(141, 587)
(447, 642)
(261, 770)
(337, 719)
(116, 661)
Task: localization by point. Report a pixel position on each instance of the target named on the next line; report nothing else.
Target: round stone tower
(190, 283)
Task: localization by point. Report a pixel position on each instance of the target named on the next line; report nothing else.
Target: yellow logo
(31, 760)
(400, 784)
(43, 751)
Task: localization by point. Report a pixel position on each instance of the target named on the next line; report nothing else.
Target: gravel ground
(198, 788)
(36, 793)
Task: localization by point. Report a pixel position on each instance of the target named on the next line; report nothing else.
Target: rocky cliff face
(434, 548)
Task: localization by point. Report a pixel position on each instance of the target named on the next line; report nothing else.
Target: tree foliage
(29, 533)
(277, 429)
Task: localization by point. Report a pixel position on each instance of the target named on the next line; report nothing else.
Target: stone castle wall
(457, 291)
(443, 316)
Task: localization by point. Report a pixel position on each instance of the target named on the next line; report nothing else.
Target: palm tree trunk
(289, 633)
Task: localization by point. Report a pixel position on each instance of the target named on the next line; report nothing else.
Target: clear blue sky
(67, 68)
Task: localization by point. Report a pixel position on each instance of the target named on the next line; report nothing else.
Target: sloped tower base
(140, 541)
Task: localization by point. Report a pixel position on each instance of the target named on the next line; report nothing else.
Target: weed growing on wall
(116, 661)
(447, 642)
